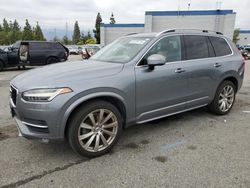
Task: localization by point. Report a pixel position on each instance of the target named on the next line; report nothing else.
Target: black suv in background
(34, 53)
(3, 58)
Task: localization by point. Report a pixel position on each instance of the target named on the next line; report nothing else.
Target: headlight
(44, 95)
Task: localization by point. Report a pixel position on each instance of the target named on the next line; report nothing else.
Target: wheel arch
(114, 99)
(233, 80)
(50, 56)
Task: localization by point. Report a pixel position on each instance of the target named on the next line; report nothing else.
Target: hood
(65, 74)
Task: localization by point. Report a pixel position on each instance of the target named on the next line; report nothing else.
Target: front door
(162, 91)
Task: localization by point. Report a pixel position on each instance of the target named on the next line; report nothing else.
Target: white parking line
(246, 111)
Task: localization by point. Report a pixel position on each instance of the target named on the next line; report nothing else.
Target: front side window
(196, 47)
(169, 47)
(121, 50)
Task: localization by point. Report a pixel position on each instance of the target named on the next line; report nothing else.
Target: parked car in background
(88, 51)
(3, 59)
(136, 79)
(73, 50)
(35, 53)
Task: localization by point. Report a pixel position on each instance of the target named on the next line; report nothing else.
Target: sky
(54, 14)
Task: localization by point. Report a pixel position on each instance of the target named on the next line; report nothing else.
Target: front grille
(13, 94)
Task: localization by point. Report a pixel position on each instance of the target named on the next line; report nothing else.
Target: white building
(244, 38)
(156, 21)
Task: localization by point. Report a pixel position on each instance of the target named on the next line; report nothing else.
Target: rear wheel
(95, 128)
(224, 98)
(51, 60)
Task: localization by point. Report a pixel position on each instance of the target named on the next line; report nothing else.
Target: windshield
(121, 50)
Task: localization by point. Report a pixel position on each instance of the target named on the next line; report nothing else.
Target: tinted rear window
(58, 46)
(220, 46)
(38, 45)
(196, 47)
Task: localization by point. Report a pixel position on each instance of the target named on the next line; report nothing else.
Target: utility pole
(66, 30)
(218, 5)
(55, 32)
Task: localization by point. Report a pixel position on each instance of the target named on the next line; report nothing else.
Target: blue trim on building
(189, 13)
(245, 31)
(122, 25)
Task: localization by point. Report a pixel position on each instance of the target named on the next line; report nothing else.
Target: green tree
(76, 33)
(15, 33)
(236, 35)
(112, 19)
(5, 35)
(6, 27)
(90, 41)
(96, 31)
(89, 35)
(38, 34)
(56, 39)
(27, 31)
(66, 40)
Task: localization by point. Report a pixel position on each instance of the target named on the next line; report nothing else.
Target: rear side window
(196, 47)
(220, 46)
(38, 45)
(58, 46)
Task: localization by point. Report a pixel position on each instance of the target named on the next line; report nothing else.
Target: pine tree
(56, 39)
(97, 27)
(112, 19)
(15, 33)
(27, 31)
(6, 27)
(38, 34)
(89, 35)
(76, 33)
(236, 35)
(6, 32)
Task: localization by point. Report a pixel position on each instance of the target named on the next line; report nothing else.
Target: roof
(123, 25)
(245, 31)
(189, 13)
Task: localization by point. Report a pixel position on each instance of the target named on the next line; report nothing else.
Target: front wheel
(224, 98)
(95, 128)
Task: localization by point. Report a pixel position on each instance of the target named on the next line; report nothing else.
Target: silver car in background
(136, 79)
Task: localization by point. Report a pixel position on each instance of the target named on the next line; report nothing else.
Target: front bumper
(39, 120)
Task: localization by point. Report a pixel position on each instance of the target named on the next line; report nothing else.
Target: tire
(94, 140)
(1, 66)
(224, 98)
(51, 60)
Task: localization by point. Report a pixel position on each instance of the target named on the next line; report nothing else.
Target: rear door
(38, 52)
(203, 69)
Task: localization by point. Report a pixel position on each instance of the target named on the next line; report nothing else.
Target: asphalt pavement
(192, 149)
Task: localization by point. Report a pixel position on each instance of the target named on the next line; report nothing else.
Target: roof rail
(180, 30)
(130, 34)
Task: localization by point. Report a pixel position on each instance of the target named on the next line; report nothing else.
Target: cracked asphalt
(193, 149)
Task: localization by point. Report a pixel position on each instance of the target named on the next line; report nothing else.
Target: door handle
(179, 70)
(216, 65)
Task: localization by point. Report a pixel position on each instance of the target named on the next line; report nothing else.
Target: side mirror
(155, 60)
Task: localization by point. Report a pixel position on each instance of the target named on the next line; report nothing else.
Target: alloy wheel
(98, 130)
(226, 98)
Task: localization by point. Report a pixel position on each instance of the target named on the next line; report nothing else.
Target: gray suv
(136, 79)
